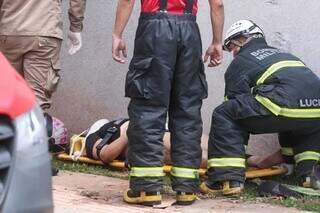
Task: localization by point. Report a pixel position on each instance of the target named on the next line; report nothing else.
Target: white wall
(92, 85)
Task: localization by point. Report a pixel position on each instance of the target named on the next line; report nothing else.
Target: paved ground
(84, 193)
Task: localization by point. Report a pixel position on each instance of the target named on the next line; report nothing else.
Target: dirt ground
(85, 193)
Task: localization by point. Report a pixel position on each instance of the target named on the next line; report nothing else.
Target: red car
(25, 168)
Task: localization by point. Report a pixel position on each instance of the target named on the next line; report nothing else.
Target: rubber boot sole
(226, 191)
(206, 190)
(233, 192)
(185, 200)
(143, 199)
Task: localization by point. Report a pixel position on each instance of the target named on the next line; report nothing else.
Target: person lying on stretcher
(108, 141)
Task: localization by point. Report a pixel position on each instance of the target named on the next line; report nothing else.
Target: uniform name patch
(264, 53)
(309, 102)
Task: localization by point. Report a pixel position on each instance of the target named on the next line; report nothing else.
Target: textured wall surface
(92, 85)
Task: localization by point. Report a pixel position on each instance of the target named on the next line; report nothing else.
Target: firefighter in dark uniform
(166, 76)
(266, 91)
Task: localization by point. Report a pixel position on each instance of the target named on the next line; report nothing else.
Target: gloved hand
(74, 42)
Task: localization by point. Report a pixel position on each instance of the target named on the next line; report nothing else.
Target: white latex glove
(74, 42)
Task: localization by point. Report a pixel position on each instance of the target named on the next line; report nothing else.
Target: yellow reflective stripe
(307, 155)
(185, 172)
(287, 151)
(276, 109)
(147, 172)
(226, 98)
(286, 112)
(277, 66)
(226, 162)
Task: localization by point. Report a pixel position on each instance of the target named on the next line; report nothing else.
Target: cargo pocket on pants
(136, 79)
(53, 78)
(203, 80)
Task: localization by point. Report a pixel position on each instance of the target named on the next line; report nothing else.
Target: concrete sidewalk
(85, 193)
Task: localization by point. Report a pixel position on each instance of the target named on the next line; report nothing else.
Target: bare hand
(215, 53)
(119, 49)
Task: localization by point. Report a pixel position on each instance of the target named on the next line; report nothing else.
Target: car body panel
(16, 97)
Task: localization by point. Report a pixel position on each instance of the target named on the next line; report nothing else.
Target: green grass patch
(308, 203)
(250, 194)
(90, 169)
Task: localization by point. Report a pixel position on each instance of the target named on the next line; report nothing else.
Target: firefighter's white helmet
(241, 28)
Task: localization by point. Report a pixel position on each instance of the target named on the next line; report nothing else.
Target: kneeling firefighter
(266, 91)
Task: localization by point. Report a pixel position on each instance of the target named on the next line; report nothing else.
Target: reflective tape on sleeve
(185, 172)
(307, 155)
(146, 172)
(226, 162)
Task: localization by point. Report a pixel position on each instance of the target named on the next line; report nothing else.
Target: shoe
(227, 188)
(185, 198)
(215, 189)
(142, 198)
(232, 188)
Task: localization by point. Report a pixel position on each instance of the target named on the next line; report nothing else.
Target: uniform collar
(256, 42)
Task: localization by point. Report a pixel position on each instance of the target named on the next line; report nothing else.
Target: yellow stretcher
(77, 155)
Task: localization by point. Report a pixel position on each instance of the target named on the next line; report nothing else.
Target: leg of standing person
(148, 84)
(189, 87)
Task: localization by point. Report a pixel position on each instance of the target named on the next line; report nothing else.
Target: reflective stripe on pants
(147, 172)
(185, 172)
(226, 162)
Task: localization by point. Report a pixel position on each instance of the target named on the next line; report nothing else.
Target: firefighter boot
(143, 198)
(185, 198)
(227, 188)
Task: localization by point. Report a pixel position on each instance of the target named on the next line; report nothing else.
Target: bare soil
(85, 193)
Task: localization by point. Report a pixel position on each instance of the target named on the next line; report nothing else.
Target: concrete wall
(92, 85)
